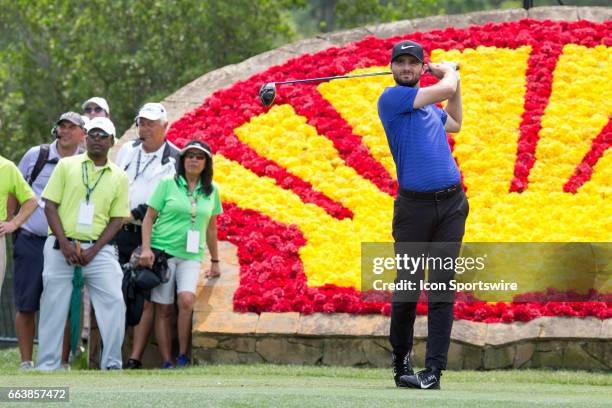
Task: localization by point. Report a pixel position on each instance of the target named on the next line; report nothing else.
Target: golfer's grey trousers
(103, 277)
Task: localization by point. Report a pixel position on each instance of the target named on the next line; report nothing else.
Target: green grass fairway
(299, 386)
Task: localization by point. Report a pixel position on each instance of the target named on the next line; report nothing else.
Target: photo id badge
(193, 241)
(86, 216)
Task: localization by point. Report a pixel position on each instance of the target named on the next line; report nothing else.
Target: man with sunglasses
(96, 107)
(85, 202)
(36, 167)
(146, 161)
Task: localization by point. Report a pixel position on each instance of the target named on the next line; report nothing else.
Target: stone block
(343, 352)
(381, 326)
(308, 46)
(278, 323)
(225, 322)
(498, 357)
(220, 356)
(570, 328)
(455, 356)
(548, 354)
(342, 38)
(383, 342)
(239, 344)
(576, 357)
(214, 299)
(440, 22)
(505, 333)
(204, 342)
(596, 14)
(524, 354)
(320, 324)
(283, 351)
(498, 16)
(393, 29)
(550, 345)
(375, 354)
(559, 13)
(419, 348)
(472, 357)
(606, 330)
(469, 332)
(216, 356)
(178, 108)
(601, 351)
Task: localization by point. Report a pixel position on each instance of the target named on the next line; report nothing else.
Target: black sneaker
(401, 367)
(132, 364)
(429, 378)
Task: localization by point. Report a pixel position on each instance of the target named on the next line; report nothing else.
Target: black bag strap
(43, 158)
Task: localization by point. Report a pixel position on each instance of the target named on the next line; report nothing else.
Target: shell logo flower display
(309, 179)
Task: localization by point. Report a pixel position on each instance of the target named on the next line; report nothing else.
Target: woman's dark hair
(207, 174)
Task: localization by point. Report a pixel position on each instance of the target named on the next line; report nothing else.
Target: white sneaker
(26, 365)
(66, 366)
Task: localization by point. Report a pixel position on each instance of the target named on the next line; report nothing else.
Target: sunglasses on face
(196, 156)
(94, 134)
(97, 109)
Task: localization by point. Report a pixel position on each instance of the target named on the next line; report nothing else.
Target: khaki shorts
(184, 276)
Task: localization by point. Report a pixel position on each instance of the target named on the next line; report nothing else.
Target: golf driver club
(267, 92)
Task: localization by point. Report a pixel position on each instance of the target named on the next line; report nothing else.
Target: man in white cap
(96, 107)
(146, 161)
(85, 202)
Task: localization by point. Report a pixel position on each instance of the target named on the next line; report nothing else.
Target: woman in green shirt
(181, 217)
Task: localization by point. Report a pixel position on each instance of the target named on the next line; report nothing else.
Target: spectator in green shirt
(182, 215)
(86, 200)
(12, 183)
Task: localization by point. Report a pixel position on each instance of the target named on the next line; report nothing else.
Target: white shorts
(184, 275)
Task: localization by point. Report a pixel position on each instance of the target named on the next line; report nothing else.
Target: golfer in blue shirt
(430, 209)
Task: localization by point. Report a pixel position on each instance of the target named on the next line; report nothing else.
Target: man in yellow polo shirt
(86, 201)
(12, 183)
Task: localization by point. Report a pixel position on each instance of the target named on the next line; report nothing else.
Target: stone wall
(374, 352)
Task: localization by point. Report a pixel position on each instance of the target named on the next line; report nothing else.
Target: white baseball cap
(101, 102)
(101, 123)
(153, 111)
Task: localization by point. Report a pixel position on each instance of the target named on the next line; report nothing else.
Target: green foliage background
(54, 54)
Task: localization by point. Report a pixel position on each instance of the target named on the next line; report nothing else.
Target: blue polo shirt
(417, 141)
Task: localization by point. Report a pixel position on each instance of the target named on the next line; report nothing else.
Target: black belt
(27, 233)
(131, 227)
(432, 195)
(82, 241)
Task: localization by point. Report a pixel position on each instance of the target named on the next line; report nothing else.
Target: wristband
(214, 260)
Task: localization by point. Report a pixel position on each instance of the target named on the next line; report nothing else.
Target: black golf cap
(408, 48)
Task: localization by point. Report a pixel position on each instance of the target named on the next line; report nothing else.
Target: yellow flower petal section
(580, 106)
(539, 217)
(493, 92)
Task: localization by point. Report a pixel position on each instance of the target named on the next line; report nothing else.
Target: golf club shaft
(295, 81)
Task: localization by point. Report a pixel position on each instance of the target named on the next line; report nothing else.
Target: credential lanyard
(138, 172)
(89, 190)
(194, 201)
